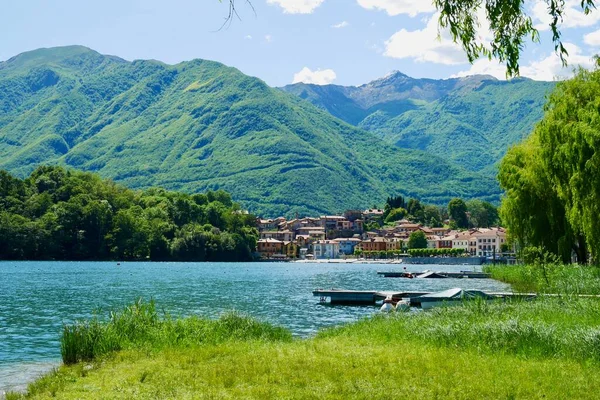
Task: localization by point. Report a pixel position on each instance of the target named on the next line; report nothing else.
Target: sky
(345, 42)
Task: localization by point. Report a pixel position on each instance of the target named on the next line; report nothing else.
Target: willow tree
(552, 180)
(531, 209)
(570, 133)
(510, 26)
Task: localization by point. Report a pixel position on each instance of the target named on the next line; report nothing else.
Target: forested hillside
(67, 215)
(199, 126)
(471, 121)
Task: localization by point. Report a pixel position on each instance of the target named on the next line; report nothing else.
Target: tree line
(61, 214)
(460, 214)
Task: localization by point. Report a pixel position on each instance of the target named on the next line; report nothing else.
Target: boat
(450, 297)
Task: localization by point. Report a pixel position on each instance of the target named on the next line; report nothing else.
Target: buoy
(387, 305)
(403, 306)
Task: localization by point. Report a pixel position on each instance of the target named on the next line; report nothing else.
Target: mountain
(471, 121)
(201, 125)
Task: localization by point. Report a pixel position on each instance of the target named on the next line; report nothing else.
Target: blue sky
(347, 42)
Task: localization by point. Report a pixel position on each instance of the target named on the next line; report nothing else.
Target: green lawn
(327, 368)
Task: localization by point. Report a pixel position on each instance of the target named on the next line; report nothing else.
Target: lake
(36, 298)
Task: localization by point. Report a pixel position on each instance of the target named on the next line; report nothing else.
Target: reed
(549, 278)
(140, 326)
(565, 328)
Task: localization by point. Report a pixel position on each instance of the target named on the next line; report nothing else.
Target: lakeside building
(326, 249)
(489, 241)
(347, 245)
(267, 248)
(333, 236)
(374, 244)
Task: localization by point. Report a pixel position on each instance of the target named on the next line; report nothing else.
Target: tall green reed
(139, 325)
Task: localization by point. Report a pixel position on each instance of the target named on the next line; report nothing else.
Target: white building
(489, 241)
(326, 249)
(461, 240)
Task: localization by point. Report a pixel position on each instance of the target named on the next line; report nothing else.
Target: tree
(510, 26)
(417, 240)
(415, 209)
(432, 216)
(393, 203)
(395, 215)
(482, 214)
(552, 180)
(457, 209)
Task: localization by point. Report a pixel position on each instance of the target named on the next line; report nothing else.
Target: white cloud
(248, 37)
(548, 68)
(318, 77)
(297, 6)
(342, 24)
(573, 15)
(423, 45)
(592, 38)
(396, 7)
(551, 68)
(268, 38)
(483, 66)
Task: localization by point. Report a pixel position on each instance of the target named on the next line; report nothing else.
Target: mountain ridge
(201, 125)
(438, 116)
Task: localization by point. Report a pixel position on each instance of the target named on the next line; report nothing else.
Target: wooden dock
(431, 274)
(365, 297)
(351, 297)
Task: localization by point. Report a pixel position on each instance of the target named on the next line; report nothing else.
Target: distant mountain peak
(390, 78)
(395, 74)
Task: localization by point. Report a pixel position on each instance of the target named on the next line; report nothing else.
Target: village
(344, 236)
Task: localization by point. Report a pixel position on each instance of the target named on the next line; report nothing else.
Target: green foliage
(552, 180)
(510, 25)
(424, 252)
(199, 126)
(395, 214)
(457, 210)
(139, 326)
(417, 240)
(482, 214)
(537, 255)
(67, 215)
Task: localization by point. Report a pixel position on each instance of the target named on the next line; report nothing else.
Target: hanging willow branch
(510, 26)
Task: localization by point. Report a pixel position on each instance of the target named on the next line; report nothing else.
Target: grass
(139, 326)
(549, 278)
(330, 368)
(496, 350)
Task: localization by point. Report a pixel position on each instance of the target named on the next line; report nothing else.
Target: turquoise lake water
(36, 298)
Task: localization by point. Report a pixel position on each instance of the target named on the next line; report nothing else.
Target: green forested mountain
(471, 121)
(199, 126)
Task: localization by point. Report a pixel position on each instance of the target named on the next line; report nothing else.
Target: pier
(358, 297)
(368, 297)
(431, 274)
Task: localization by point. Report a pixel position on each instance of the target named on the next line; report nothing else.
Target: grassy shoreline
(546, 348)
